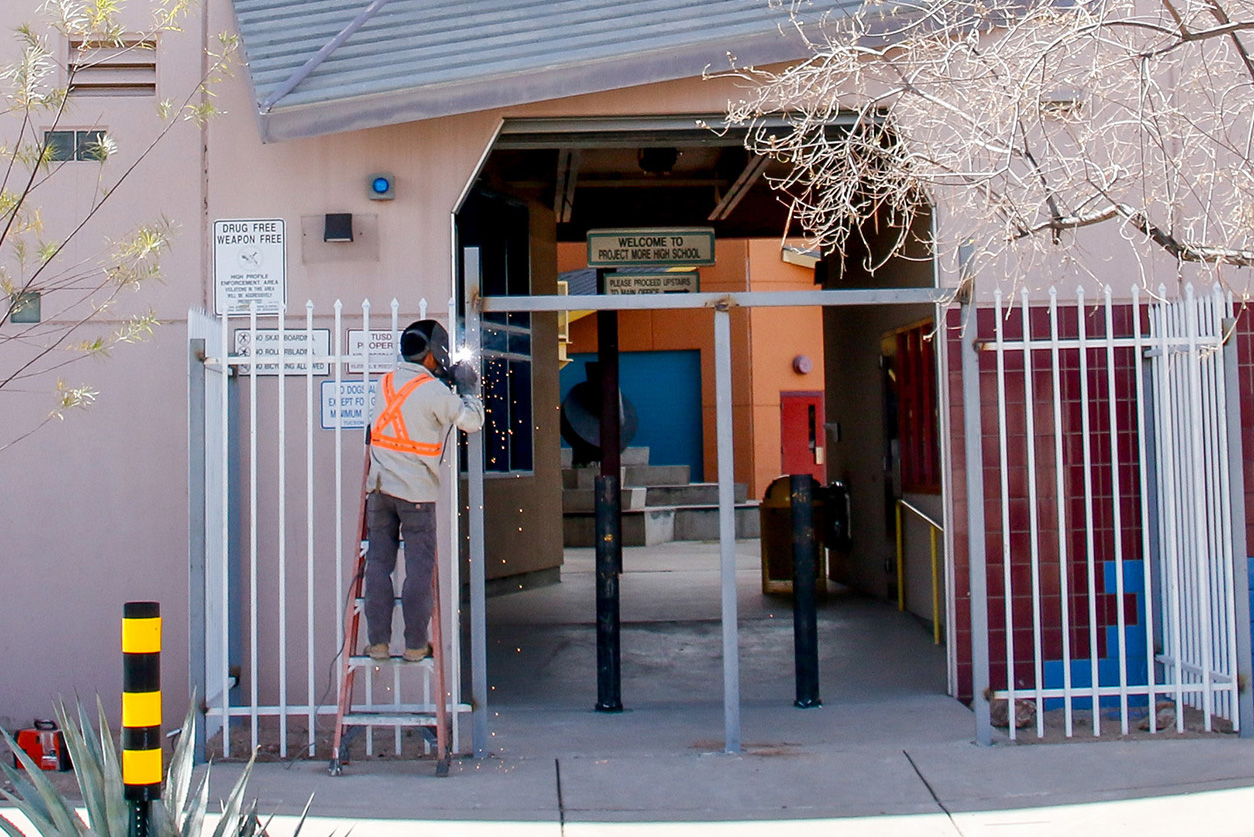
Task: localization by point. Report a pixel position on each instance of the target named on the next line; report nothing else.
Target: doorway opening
(573, 176)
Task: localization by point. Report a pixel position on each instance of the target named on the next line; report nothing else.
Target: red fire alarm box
(45, 744)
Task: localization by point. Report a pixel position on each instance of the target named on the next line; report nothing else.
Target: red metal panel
(801, 433)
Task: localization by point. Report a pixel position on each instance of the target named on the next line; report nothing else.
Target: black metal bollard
(141, 711)
(804, 618)
(608, 564)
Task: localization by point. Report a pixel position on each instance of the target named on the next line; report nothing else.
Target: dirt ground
(413, 744)
(1138, 725)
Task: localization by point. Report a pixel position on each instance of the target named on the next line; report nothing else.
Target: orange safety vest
(389, 429)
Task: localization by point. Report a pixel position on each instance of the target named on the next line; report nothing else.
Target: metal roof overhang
(388, 66)
(369, 109)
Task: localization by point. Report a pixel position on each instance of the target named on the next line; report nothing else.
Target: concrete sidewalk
(887, 753)
(1102, 788)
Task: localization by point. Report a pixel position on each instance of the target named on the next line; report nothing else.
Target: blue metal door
(665, 388)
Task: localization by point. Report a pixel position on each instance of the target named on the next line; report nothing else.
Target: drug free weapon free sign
(249, 265)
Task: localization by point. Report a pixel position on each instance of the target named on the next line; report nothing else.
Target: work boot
(417, 655)
(378, 651)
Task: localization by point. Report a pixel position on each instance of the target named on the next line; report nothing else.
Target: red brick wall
(1122, 448)
(1245, 373)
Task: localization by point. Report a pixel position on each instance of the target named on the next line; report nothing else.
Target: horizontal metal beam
(737, 299)
(1151, 343)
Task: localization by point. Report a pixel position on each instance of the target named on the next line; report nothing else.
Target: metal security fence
(1109, 488)
(279, 408)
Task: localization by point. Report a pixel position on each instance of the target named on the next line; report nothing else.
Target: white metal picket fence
(286, 402)
(1112, 593)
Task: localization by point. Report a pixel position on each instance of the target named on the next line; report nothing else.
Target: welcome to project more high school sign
(680, 247)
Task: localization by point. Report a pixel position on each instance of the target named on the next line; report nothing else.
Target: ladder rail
(352, 616)
(437, 653)
(346, 715)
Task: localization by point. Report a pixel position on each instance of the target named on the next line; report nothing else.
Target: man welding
(409, 429)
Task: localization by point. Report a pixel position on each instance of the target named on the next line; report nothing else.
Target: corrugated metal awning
(407, 60)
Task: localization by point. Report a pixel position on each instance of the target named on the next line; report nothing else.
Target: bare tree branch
(1026, 123)
(78, 288)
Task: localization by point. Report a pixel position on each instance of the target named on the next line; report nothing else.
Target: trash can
(775, 518)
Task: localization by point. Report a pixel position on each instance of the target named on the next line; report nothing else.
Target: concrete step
(631, 456)
(584, 499)
(638, 475)
(700, 523)
(639, 496)
(654, 525)
(650, 475)
(641, 527)
(693, 494)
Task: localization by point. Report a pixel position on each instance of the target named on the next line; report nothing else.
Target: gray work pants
(387, 519)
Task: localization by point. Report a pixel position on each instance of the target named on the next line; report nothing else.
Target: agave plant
(97, 767)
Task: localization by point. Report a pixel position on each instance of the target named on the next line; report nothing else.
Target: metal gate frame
(212, 533)
(219, 547)
(721, 304)
(1206, 642)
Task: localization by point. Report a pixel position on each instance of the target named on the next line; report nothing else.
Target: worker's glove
(465, 378)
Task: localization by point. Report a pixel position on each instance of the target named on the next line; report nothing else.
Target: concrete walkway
(887, 754)
(1143, 788)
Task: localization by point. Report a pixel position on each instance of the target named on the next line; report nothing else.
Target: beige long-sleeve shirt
(429, 412)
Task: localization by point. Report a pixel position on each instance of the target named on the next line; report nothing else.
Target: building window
(24, 307)
(507, 392)
(500, 228)
(76, 145)
(122, 68)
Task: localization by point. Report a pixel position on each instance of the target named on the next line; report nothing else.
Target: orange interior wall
(764, 343)
(776, 337)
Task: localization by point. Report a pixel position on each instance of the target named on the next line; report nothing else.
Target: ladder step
(390, 719)
(406, 708)
(359, 603)
(397, 660)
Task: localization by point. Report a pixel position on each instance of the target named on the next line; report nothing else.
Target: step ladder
(431, 720)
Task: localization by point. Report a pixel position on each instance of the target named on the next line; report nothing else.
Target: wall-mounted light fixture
(338, 227)
(381, 187)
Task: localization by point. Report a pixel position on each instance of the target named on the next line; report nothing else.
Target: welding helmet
(426, 337)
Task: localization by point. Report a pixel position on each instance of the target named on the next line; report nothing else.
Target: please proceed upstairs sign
(678, 247)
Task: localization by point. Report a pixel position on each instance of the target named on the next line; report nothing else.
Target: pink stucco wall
(95, 507)
(95, 510)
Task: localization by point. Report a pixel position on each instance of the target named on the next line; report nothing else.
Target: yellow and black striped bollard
(141, 710)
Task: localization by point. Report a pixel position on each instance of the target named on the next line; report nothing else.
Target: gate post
(727, 527)
(477, 573)
(1240, 555)
(976, 559)
(805, 631)
(196, 535)
(609, 523)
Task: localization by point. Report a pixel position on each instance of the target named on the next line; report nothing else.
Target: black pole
(805, 629)
(611, 403)
(609, 673)
(137, 826)
(609, 549)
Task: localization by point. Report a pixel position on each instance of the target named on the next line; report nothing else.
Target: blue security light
(381, 187)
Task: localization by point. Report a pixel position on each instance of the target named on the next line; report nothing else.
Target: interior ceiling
(692, 178)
